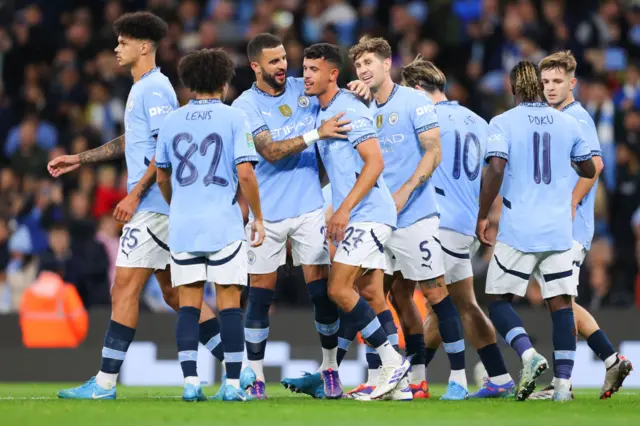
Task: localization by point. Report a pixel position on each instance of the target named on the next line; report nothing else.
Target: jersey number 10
(211, 178)
(546, 158)
(469, 139)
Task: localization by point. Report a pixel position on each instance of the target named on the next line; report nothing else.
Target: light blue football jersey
(457, 178)
(399, 121)
(150, 100)
(539, 144)
(344, 164)
(290, 187)
(583, 224)
(202, 143)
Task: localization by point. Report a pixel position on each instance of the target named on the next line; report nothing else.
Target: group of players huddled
(408, 206)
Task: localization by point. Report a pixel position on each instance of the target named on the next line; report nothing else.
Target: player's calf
(257, 323)
(564, 345)
(450, 327)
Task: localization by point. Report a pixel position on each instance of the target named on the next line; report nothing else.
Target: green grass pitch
(37, 404)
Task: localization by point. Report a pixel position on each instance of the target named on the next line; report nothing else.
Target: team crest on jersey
(285, 110)
(303, 101)
(379, 120)
(251, 256)
(130, 105)
(393, 118)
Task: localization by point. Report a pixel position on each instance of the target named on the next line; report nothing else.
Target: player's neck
(142, 67)
(438, 97)
(326, 97)
(383, 91)
(570, 99)
(262, 85)
(208, 96)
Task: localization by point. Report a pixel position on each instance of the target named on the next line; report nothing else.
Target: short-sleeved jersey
(289, 187)
(399, 121)
(539, 144)
(583, 224)
(202, 143)
(150, 100)
(344, 164)
(457, 178)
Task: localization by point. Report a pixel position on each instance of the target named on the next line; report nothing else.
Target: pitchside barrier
(293, 348)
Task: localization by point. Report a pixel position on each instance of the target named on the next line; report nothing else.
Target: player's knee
(559, 302)
(337, 294)
(435, 295)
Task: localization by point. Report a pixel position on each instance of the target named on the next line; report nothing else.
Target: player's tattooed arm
(147, 180)
(109, 151)
(274, 151)
(430, 142)
(163, 177)
(68, 163)
(334, 128)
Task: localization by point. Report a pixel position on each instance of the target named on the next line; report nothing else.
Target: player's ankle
(562, 385)
(528, 355)
(192, 380)
(106, 380)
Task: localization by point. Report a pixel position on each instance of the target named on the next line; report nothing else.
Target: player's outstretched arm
(430, 141)
(490, 188)
(272, 151)
(371, 154)
(68, 163)
(163, 177)
(249, 186)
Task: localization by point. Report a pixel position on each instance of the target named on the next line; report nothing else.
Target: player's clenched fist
(257, 233)
(63, 164)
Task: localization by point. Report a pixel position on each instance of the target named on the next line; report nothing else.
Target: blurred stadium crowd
(62, 92)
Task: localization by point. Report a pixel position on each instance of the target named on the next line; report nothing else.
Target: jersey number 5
(546, 158)
(211, 178)
(471, 172)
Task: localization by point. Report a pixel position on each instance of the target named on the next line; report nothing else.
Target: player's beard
(271, 81)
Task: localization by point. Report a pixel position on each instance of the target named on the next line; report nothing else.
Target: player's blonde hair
(425, 74)
(367, 44)
(525, 82)
(563, 60)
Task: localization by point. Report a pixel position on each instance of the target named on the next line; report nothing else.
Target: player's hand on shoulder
(126, 208)
(335, 128)
(63, 164)
(338, 224)
(257, 233)
(360, 89)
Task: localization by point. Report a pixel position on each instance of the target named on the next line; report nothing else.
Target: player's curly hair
(563, 60)
(328, 52)
(206, 70)
(367, 44)
(425, 74)
(525, 82)
(141, 26)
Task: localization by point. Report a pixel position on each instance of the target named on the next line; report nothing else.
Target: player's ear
(387, 64)
(334, 74)
(145, 48)
(225, 90)
(255, 67)
(573, 82)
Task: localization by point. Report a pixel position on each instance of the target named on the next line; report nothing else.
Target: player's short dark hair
(525, 81)
(366, 44)
(328, 52)
(425, 74)
(141, 26)
(206, 70)
(259, 43)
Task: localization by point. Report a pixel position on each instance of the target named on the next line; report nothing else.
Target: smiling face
(558, 85)
(271, 67)
(372, 70)
(318, 74)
